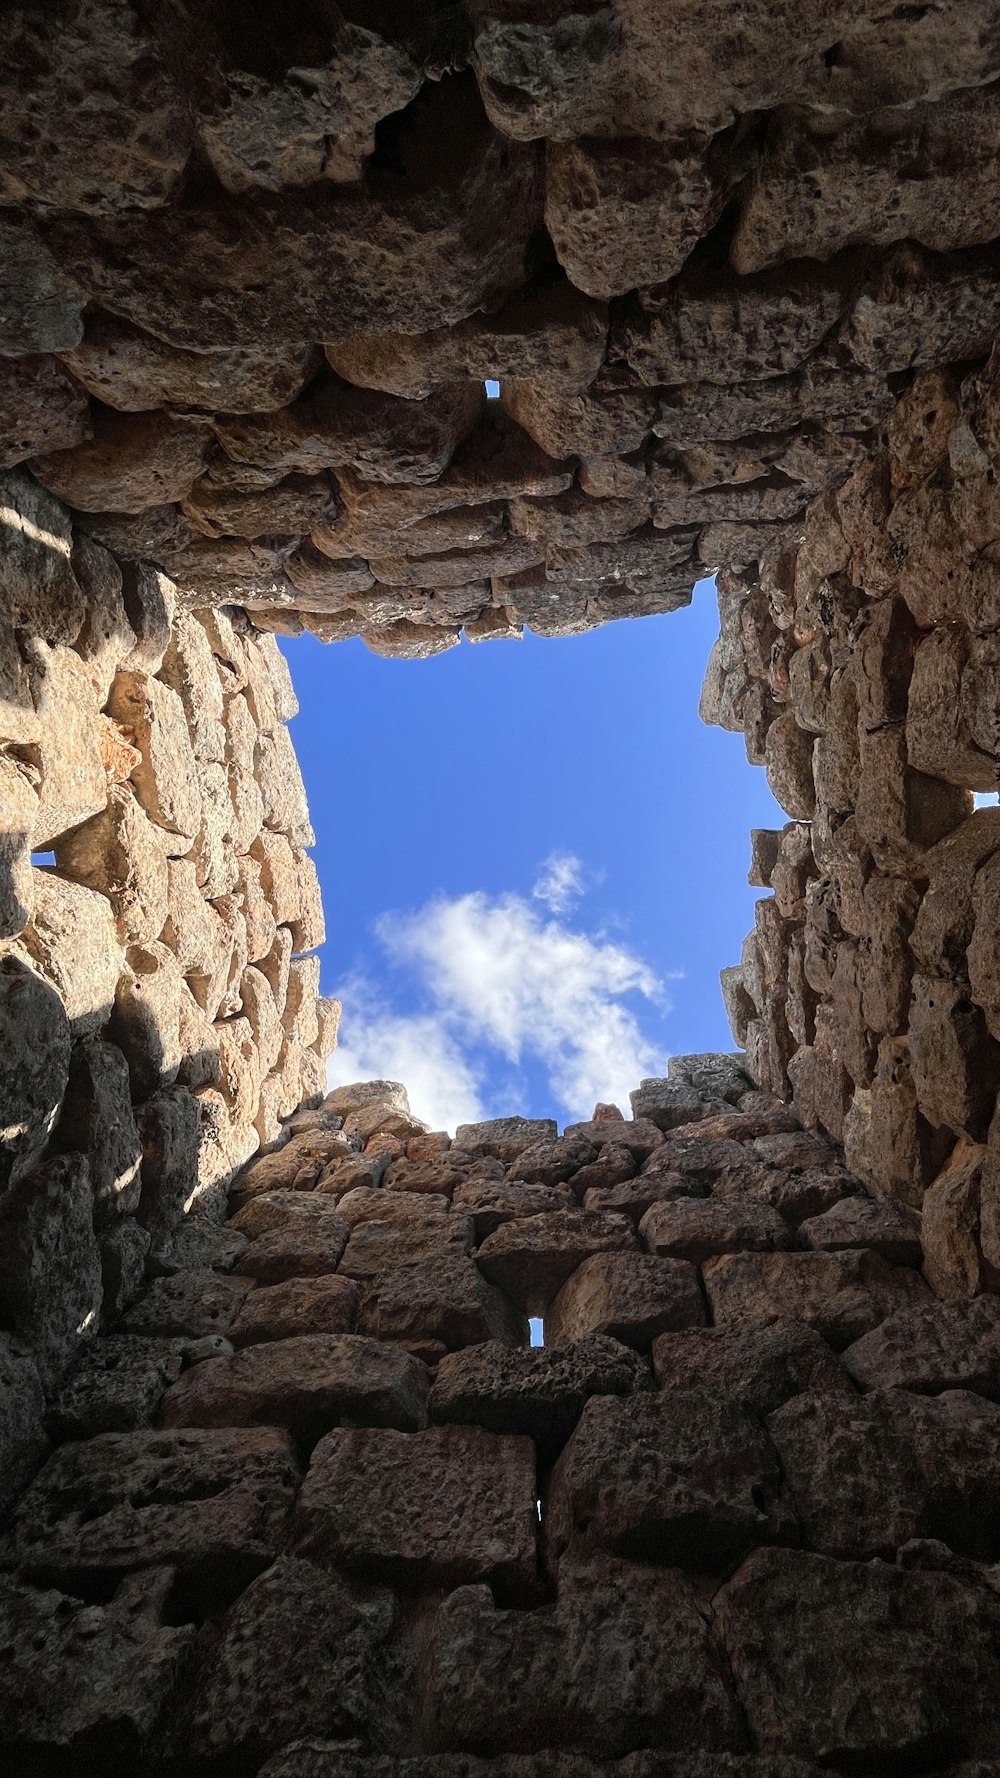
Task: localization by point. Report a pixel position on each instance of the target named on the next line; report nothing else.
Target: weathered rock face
(293, 1496)
(251, 1531)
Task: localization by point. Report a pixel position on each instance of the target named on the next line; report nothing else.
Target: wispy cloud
(499, 985)
(560, 884)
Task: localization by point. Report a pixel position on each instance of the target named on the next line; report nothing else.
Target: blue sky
(533, 858)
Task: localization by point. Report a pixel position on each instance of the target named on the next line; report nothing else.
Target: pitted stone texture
(625, 1652)
(531, 1259)
(762, 1368)
(926, 1641)
(686, 1478)
(213, 1504)
(439, 1508)
(631, 1297)
(85, 1681)
(116, 1385)
(696, 1229)
(293, 1619)
(308, 1384)
(540, 1394)
(326, 1305)
(868, 1475)
(50, 1267)
(438, 1306)
(933, 1348)
(842, 1295)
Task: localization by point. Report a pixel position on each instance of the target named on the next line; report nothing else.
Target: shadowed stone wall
(316, 1509)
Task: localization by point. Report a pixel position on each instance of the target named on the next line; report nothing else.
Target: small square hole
(492, 388)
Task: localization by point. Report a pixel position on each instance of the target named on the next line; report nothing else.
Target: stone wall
(257, 273)
(862, 663)
(317, 1510)
(159, 992)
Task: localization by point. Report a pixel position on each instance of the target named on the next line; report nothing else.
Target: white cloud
(560, 883)
(493, 975)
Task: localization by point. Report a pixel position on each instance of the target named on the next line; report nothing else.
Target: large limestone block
(107, 638)
(697, 1228)
(196, 1304)
(438, 1306)
(24, 1444)
(531, 1259)
(717, 328)
(164, 778)
(556, 335)
(97, 1120)
(171, 1134)
(50, 1268)
(325, 1305)
(627, 213)
(188, 667)
(622, 1646)
(686, 1476)
(932, 1348)
(131, 462)
(132, 371)
(40, 306)
(537, 1393)
(212, 1504)
(72, 941)
(308, 1384)
(922, 174)
(146, 1021)
(374, 1247)
(281, 1209)
(85, 1681)
(72, 783)
(440, 1508)
(761, 1368)
(41, 592)
(868, 1475)
(34, 1064)
(311, 1249)
(882, 1227)
(955, 1060)
(909, 1658)
(631, 1297)
(299, 1654)
(122, 854)
(18, 811)
(42, 408)
(842, 1295)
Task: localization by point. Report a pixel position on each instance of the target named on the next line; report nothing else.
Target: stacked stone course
(316, 1509)
(159, 1004)
(859, 658)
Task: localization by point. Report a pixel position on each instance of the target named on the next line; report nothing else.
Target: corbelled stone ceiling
(415, 322)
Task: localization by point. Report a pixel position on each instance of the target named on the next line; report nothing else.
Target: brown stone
(695, 1229)
(120, 853)
(213, 1504)
(444, 1507)
(131, 461)
(41, 409)
(842, 1295)
(760, 1368)
(299, 1249)
(133, 371)
(308, 1384)
(532, 1258)
(631, 1297)
(931, 1348)
(326, 1305)
(439, 1306)
(50, 1269)
(540, 1394)
(925, 1643)
(195, 1303)
(622, 1645)
(883, 1228)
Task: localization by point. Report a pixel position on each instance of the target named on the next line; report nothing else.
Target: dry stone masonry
(415, 322)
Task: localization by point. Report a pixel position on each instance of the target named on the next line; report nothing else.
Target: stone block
(300, 1249)
(552, 1161)
(537, 1393)
(444, 1507)
(212, 1504)
(123, 1247)
(121, 854)
(630, 1297)
(931, 1348)
(697, 1228)
(491, 1202)
(73, 785)
(667, 1103)
(887, 1229)
(294, 1620)
(116, 1385)
(97, 1120)
(34, 1065)
(923, 1643)
(954, 1058)
(505, 1137)
(42, 593)
(761, 1368)
(327, 1305)
(841, 1295)
(308, 1384)
(72, 941)
(869, 1475)
(439, 1306)
(687, 1478)
(165, 779)
(85, 1682)
(376, 1246)
(24, 1444)
(195, 1303)
(170, 1131)
(622, 1646)
(531, 1259)
(50, 1269)
(18, 809)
